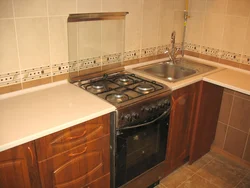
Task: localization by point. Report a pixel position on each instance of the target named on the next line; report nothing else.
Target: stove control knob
(161, 104)
(128, 117)
(167, 102)
(154, 107)
(135, 115)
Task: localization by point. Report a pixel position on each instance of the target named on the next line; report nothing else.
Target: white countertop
(36, 114)
(231, 79)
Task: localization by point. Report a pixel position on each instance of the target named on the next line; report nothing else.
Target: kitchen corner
(124, 94)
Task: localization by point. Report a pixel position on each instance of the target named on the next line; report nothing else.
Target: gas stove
(121, 89)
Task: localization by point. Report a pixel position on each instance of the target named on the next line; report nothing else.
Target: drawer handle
(32, 156)
(75, 154)
(75, 137)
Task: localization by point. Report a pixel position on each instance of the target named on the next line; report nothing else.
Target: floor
(211, 171)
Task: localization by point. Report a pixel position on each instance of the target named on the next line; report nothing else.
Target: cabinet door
(18, 167)
(77, 167)
(208, 109)
(181, 123)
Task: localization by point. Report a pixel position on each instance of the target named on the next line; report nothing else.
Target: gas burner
(124, 80)
(117, 97)
(96, 87)
(145, 88)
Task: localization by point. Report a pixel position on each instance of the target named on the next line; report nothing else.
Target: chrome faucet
(172, 53)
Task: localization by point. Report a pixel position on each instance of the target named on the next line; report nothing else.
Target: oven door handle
(166, 113)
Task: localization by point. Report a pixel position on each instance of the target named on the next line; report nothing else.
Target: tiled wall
(233, 129)
(220, 29)
(33, 35)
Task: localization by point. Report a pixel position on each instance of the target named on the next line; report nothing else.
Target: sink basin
(169, 71)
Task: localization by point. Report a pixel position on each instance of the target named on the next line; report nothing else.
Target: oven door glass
(140, 148)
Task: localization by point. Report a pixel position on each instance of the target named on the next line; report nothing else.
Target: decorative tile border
(192, 47)
(111, 59)
(73, 66)
(35, 73)
(162, 49)
(131, 55)
(246, 59)
(10, 78)
(89, 63)
(148, 52)
(230, 56)
(61, 68)
(210, 51)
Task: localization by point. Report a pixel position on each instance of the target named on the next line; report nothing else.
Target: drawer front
(77, 167)
(103, 182)
(67, 139)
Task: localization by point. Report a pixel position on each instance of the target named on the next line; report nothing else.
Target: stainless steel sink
(175, 72)
(169, 71)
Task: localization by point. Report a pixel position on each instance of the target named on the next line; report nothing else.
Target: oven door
(141, 147)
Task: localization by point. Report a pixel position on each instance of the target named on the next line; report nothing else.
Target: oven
(141, 138)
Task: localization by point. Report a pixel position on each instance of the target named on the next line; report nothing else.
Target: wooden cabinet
(204, 130)
(76, 157)
(181, 123)
(18, 167)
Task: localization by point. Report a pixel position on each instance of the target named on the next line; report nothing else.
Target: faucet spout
(172, 53)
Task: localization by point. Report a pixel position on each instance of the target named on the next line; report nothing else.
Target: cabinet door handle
(78, 136)
(75, 154)
(32, 156)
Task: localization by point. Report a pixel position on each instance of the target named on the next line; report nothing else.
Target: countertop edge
(55, 129)
(226, 86)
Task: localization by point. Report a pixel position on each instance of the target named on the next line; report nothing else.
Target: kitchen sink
(181, 70)
(169, 71)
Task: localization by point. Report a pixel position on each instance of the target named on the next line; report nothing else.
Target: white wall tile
(61, 7)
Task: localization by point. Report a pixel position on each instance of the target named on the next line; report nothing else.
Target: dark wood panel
(181, 123)
(18, 167)
(77, 167)
(208, 109)
(67, 139)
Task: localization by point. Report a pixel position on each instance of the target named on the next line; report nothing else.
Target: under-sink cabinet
(193, 122)
(78, 156)
(183, 111)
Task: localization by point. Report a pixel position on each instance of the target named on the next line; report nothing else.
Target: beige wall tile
(150, 27)
(234, 34)
(6, 10)
(213, 30)
(216, 6)
(85, 6)
(8, 47)
(33, 42)
(195, 27)
(133, 24)
(58, 39)
(72, 30)
(179, 25)
(220, 135)
(166, 21)
(113, 5)
(238, 7)
(225, 109)
(112, 39)
(197, 5)
(246, 49)
(61, 7)
(179, 5)
(240, 118)
(25, 8)
(89, 42)
(235, 142)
